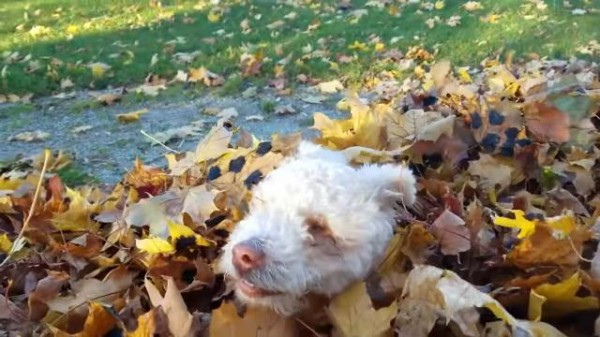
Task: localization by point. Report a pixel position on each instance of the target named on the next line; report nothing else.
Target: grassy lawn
(45, 42)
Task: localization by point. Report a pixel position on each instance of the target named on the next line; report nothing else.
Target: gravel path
(108, 148)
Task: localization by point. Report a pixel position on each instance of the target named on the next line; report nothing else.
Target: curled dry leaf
(430, 291)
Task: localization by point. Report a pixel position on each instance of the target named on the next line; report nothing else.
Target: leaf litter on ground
(502, 241)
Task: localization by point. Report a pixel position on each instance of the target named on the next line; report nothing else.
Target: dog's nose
(247, 256)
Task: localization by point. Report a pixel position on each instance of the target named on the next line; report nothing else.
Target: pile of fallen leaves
(501, 242)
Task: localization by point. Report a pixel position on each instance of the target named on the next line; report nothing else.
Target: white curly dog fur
(355, 211)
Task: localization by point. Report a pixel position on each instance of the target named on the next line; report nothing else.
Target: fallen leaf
(81, 129)
(353, 315)
(330, 87)
(91, 289)
(181, 322)
(430, 291)
(547, 123)
(228, 113)
(154, 245)
(130, 117)
(215, 143)
(453, 235)
(517, 220)
(257, 321)
(30, 136)
(491, 172)
(472, 6)
(556, 300)
(99, 69)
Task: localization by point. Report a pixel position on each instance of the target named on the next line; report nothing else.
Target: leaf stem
(17, 241)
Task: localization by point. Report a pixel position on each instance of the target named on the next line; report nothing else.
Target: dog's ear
(390, 183)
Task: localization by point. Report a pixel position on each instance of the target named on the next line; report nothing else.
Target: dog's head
(316, 224)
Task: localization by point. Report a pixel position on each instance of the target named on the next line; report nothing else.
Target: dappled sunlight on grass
(58, 39)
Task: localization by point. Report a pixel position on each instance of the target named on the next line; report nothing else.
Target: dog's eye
(318, 227)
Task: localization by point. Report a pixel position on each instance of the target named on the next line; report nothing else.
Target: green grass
(59, 38)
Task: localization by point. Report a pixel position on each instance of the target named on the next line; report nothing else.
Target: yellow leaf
(5, 243)
(78, 216)
(98, 322)
(99, 69)
(353, 315)
(214, 16)
(553, 300)
(330, 87)
(133, 116)
(146, 325)
(526, 227)
(72, 29)
(177, 231)
(464, 76)
(154, 245)
(379, 47)
(257, 321)
(360, 46)
(364, 128)
(440, 4)
(563, 223)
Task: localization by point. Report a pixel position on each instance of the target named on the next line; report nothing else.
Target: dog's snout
(247, 255)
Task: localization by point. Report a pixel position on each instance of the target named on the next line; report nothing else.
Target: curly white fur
(357, 204)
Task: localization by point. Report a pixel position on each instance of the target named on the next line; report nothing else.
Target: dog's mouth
(251, 290)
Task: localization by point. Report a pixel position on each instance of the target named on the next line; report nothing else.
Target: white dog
(316, 224)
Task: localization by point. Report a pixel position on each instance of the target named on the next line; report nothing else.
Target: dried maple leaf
(544, 248)
(417, 124)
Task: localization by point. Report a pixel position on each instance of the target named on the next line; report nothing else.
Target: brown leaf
(10, 311)
(90, 289)
(46, 290)
(542, 248)
(547, 123)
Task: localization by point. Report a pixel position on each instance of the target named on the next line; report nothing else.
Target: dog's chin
(250, 290)
(284, 304)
